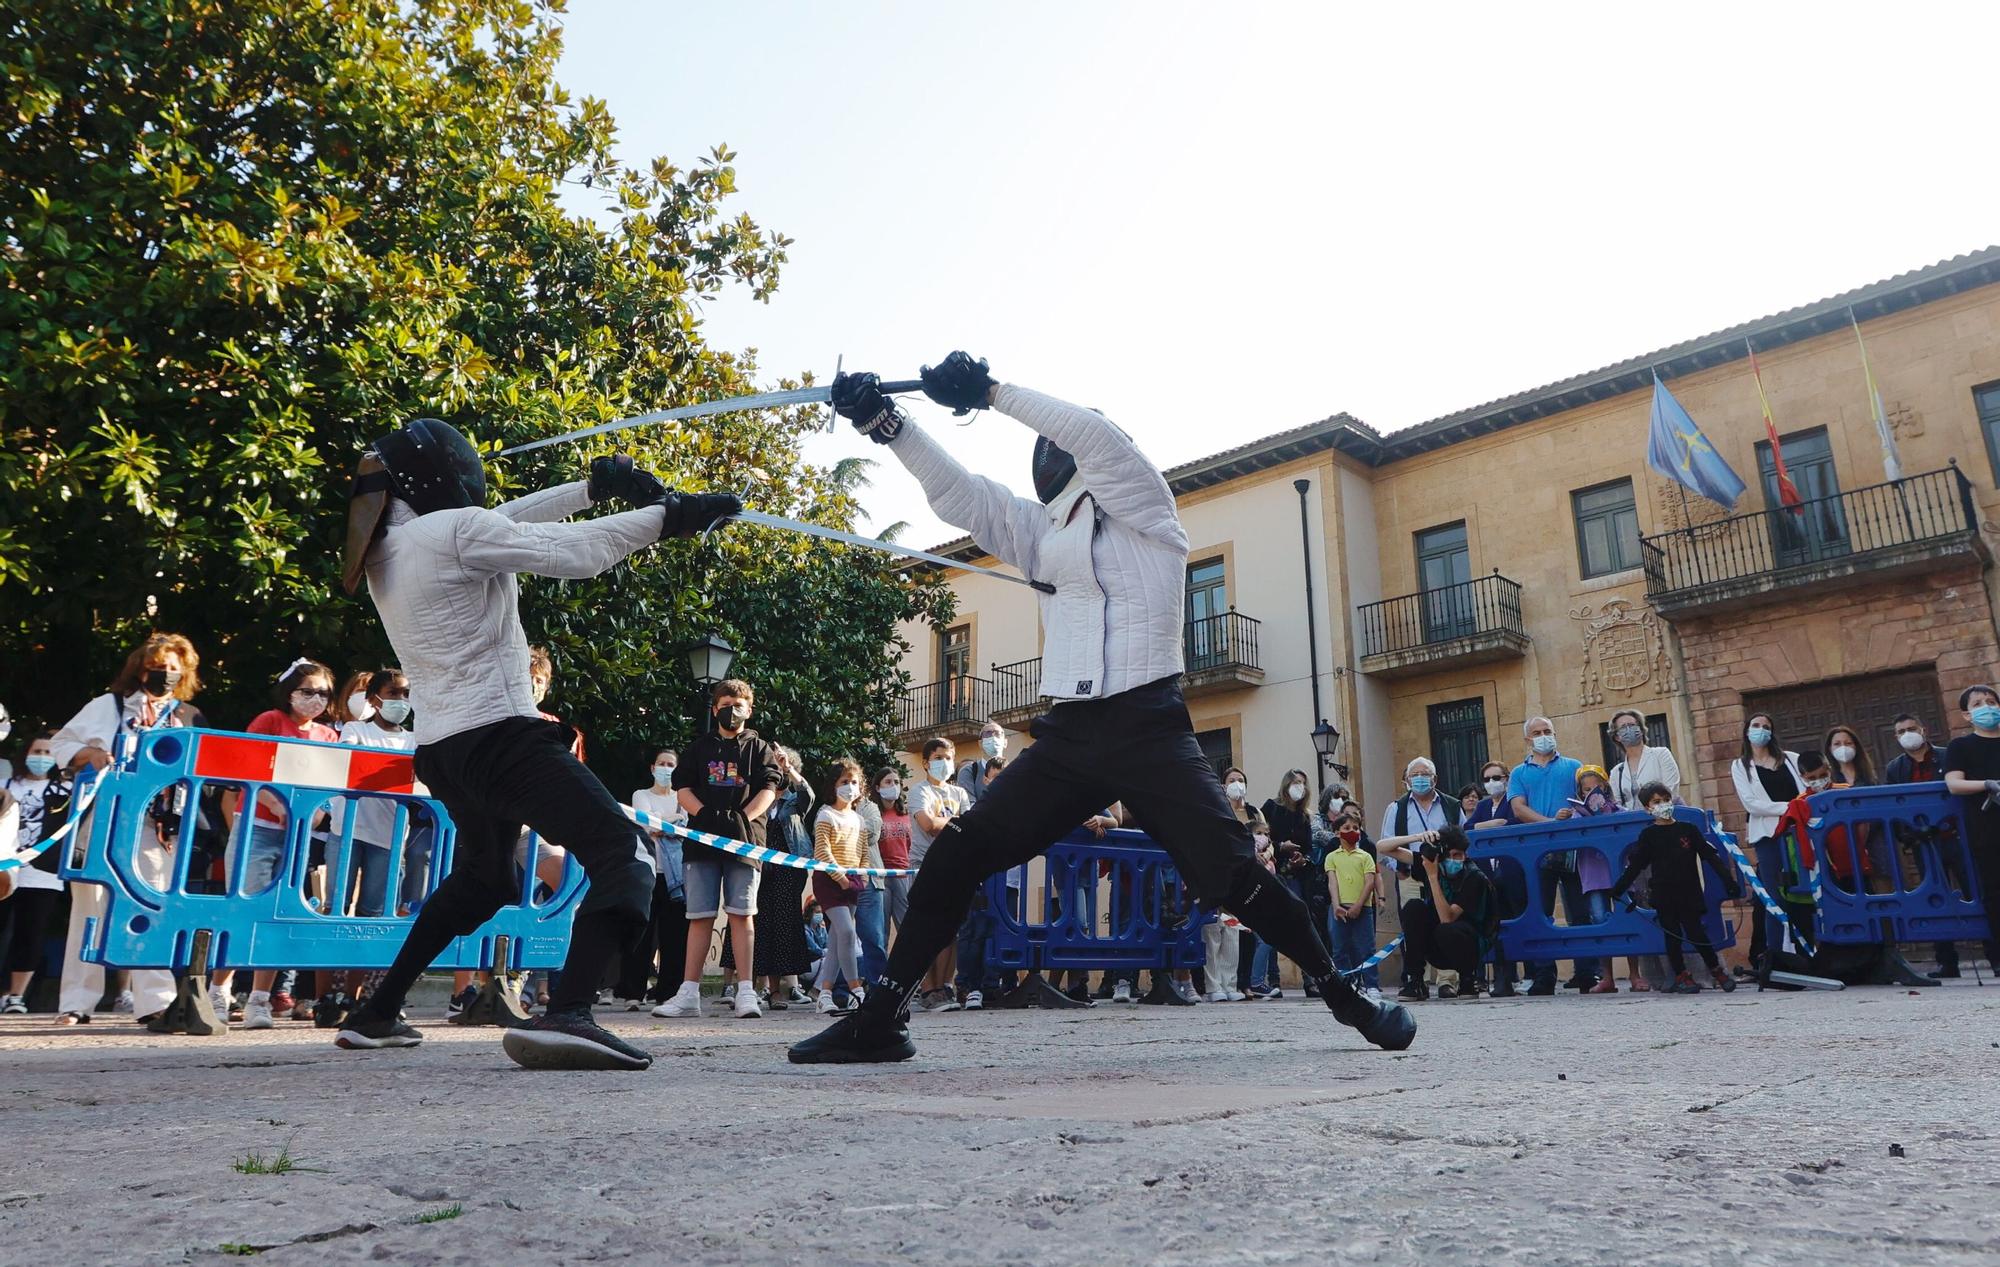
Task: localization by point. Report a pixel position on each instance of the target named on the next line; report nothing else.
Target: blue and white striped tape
(25, 856)
(757, 853)
(1756, 886)
(1375, 958)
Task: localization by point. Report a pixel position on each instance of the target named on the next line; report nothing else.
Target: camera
(1428, 850)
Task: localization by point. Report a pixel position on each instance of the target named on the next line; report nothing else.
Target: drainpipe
(1312, 620)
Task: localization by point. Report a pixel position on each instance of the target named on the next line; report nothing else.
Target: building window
(1607, 528)
(1458, 743)
(1217, 747)
(955, 673)
(1818, 529)
(1656, 737)
(1986, 400)
(1444, 566)
(1207, 607)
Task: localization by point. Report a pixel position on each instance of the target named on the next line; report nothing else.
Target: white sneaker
(974, 1000)
(218, 1000)
(1233, 995)
(1217, 996)
(123, 1003)
(257, 1012)
(686, 1002)
(1121, 992)
(1275, 993)
(13, 1005)
(746, 1005)
(824, 1004)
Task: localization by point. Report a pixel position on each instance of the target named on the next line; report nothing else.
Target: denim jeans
(416, 866)
(972, 938)
(266, 853)
(868, 917)
(368, 878)
(1264, 965)
(1570, 885)
(1352, 941)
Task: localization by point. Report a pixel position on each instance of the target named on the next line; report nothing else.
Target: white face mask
(1544, 744)
(1235, 790)
(889, 791)
(993, 746)
(395, 711)
(1334, 805)
(1818, 785)
(1298, 792)
(1495, 787)
(1843, 754)
(848, 791)
(1664, 811)
(358, 706)
(662, 775)
(1911, 740)
(941, 769)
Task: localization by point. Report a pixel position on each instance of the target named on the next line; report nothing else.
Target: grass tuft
(239, 1250)
(440, 1214)
(258, 1164)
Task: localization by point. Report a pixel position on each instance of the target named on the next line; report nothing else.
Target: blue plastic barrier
(1533, 936)
(1153, 922)
(155, 925)
(1894, 865)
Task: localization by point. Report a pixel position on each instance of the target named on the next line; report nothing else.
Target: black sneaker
(1505, 990)
(858, 1039)
(364, 1033)
(569, 1039)
(1542, 989)
(331, 1010)
(1414, 992)
(462, 1000)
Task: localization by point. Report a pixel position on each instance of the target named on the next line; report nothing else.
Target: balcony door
(1819, 529)
(1207, 610)
(1444, 570)
(955, 674)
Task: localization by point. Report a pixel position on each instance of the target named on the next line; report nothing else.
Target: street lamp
(710, 661)
(1326, 742)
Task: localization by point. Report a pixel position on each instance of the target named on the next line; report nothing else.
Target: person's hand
(93, 756)
(958, 382)
(615, 476)
(1431, 865)
(1566, 812)
(859, 399)
(1430, 838)
(692, 514)
(1733, 891)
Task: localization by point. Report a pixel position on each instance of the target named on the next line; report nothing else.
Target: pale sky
(1215, 222)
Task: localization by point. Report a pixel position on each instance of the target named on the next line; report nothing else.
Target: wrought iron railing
(1215, 642)
(1489, 604)
(1017, 685)
(1847, 525)
(949, 701)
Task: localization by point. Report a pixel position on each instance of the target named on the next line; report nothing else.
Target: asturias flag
(1678, 450)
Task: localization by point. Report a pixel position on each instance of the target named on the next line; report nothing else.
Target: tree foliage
(239, 239)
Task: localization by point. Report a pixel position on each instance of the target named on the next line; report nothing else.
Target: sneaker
(1723, 982)
(331, 1010)
(282, 1004)
(861, 1038)
(824, 1004)
(569, 1039)
(1121, 992)
(220, 1002)
(1446, 990)
(462, 1000)
(1186, 990)
(797, 997)
(365, 1033)
(1605, 986)
(13, 1005)
(1260, 992)
(1505, 990)
(123, 1003)
(1414, 992)
(1217, 996)
(974, 1000)
(258, 1014)
(1277, 992)
(1686, 984)
(1234, 995)
(745, 1005)
(686, 1002)
(1542, 989)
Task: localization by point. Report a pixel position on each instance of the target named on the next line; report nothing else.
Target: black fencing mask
(1054, 468)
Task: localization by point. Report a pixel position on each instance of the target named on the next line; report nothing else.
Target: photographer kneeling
(1455, 932)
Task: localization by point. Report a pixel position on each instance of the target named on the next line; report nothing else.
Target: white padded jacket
(1117, 556)
(445, 586)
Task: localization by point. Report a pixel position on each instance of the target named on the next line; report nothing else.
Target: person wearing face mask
(1767, 779)
(1642, 763)
(41, 792)
(1919, 762)
(1104, 542)
(894, 808)
(1454, 932)
(976, 775)
(1672, 852)
(973, 980)
(1414, 818)
(782, 956)
(1540, 789)
(350, 702)
(934, 802)
(1249, 985)
(664, 945)
(1972, 771)
(1289, 816)
(1852, 766)
(155, 688)
(837, 842)
(727, 783)
(1350, 887)
(300, 696)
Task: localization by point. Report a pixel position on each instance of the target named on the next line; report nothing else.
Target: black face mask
(161, 681)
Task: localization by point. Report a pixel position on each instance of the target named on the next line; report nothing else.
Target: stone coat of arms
(1623, 650)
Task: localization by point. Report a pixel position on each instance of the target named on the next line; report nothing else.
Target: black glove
(691, 514)
(616, 476)
(959, 383)
(859, 399)
(1734, 892)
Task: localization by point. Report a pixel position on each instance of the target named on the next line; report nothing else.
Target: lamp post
(1326, 742)
(709, 661)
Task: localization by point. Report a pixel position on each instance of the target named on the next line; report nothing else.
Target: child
(1672, 851)
(1350, 882)
(1593, 869)
(933, 804)
(837, 839)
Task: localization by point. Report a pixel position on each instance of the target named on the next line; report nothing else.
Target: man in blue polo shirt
(1540, 789)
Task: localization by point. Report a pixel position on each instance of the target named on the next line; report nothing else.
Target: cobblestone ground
(1861, 1127)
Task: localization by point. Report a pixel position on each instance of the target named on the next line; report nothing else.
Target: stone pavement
(1861, 1127)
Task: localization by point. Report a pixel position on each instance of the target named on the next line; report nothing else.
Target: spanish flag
(1788, 492)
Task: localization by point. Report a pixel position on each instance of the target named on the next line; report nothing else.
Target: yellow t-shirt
(1352, 867)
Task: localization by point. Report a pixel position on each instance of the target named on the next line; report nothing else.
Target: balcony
(954, 708)
(1017, 693)
(1471, 622)
(1220, 654)
(1903, 527)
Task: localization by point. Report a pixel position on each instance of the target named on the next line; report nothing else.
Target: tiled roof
(1362, 442)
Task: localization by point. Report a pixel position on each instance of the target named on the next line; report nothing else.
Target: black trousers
(660, 949)
(1452, 947)
(1137, 747)
(1685, 925)
(24, 921)
(496, 779)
